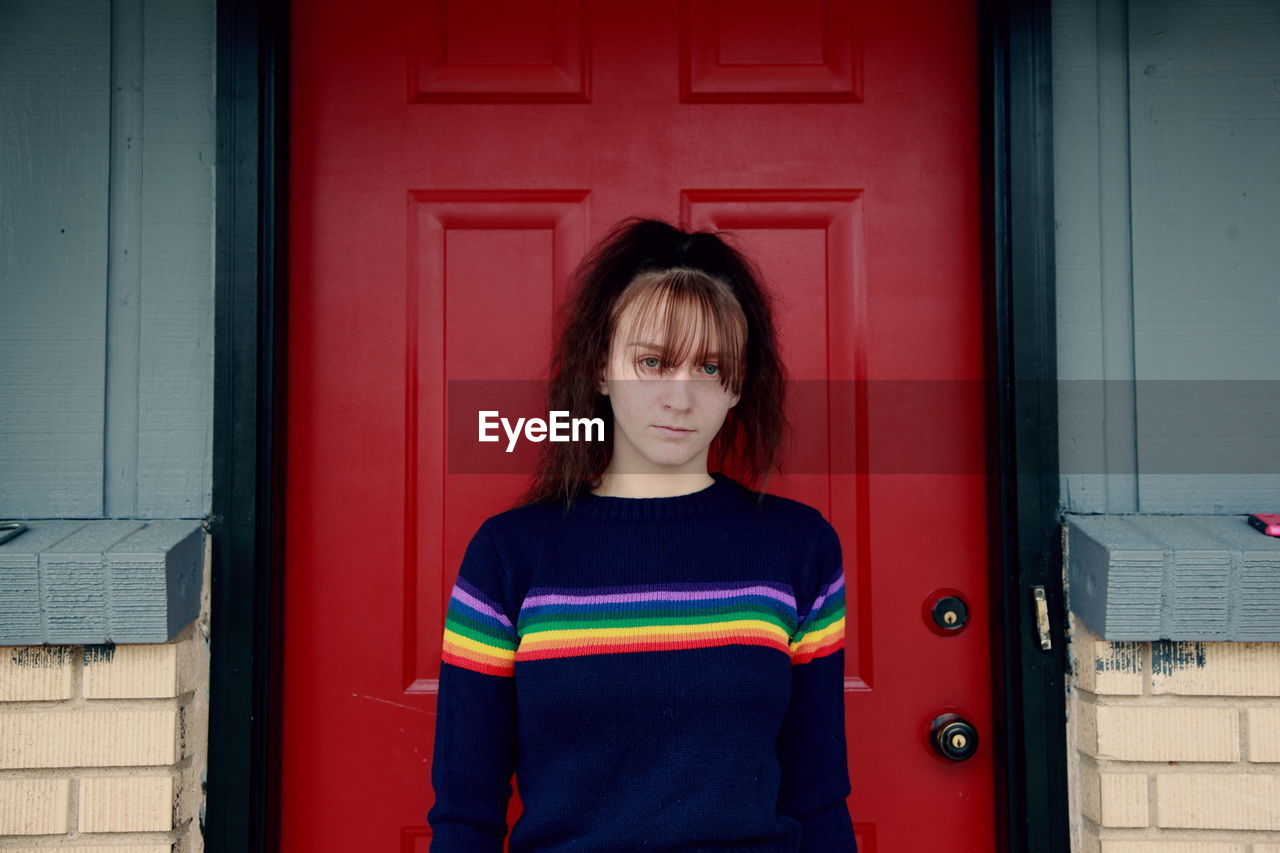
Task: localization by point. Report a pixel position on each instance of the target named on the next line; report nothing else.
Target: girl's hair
(668, 274)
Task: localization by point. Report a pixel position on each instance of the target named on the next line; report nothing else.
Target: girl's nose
(677, 389)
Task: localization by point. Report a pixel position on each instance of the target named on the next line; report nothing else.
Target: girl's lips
(672, 430)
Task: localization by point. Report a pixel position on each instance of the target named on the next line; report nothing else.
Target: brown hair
(664, 298)
(668, 273)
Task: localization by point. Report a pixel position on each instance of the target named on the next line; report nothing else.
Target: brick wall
(1174, 747)
(103, 749)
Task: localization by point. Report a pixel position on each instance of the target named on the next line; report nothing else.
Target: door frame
(1022, 397)
(246, 642)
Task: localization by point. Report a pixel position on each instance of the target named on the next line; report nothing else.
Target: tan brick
(194, 721)
(34, 806)
(1087, 842)
(188, 794)
(35, 673)
(1164, 733)
(193, 660)
(126, 804)
(1090, 792)
(156, 847)
(191, 841)
(1216, 669)
(1124, 799)
(141, 671)
(1105, 667)
(1086, 723)
(1264, 734)
(1218, 801)
(1162, 846)
(1113, 799)
(88, 738)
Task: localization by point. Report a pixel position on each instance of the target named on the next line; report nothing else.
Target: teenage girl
(654, 649)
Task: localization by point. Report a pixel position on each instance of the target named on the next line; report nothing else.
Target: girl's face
(664, 415)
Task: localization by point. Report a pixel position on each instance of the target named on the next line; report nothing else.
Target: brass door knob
(953, 737)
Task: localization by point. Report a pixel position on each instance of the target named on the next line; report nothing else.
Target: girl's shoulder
(784, 510)
(526, 517)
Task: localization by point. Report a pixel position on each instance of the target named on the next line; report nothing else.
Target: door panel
(450, 164)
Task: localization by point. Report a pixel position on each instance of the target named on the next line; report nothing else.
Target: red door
(451, 162)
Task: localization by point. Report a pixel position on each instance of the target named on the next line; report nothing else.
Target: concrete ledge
(1173, 577)
(102, 581)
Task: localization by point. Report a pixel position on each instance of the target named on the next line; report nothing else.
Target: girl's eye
(653, 362)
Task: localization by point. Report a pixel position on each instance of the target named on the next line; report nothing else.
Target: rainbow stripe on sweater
(559, 623)
(822, 632)
(556, 623)
(477, 634)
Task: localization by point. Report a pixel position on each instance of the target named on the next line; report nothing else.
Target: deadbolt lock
(950, 613)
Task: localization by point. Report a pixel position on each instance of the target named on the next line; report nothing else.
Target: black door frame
(249, 409)
(1021, 379)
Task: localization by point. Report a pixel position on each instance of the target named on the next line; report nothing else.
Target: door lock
(953, 737)
(946, 612)
(950, 613)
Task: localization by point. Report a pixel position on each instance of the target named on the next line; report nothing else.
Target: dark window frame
(249, 409)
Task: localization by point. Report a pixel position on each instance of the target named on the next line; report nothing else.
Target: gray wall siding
(1167, 185)
(106, 333)
(175, 382)
(54, 123)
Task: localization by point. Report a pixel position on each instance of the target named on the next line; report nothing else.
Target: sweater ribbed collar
(724, 494)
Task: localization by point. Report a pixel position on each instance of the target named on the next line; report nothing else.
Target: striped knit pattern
(822, 632)
(560, 623)
(477, 634)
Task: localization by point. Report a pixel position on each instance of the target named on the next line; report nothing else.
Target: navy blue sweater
(660, 674)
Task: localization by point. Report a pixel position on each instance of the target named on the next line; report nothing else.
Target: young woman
(655, 649)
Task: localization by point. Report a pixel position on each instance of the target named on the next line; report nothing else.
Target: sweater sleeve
(811, 746)
(475, 737)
